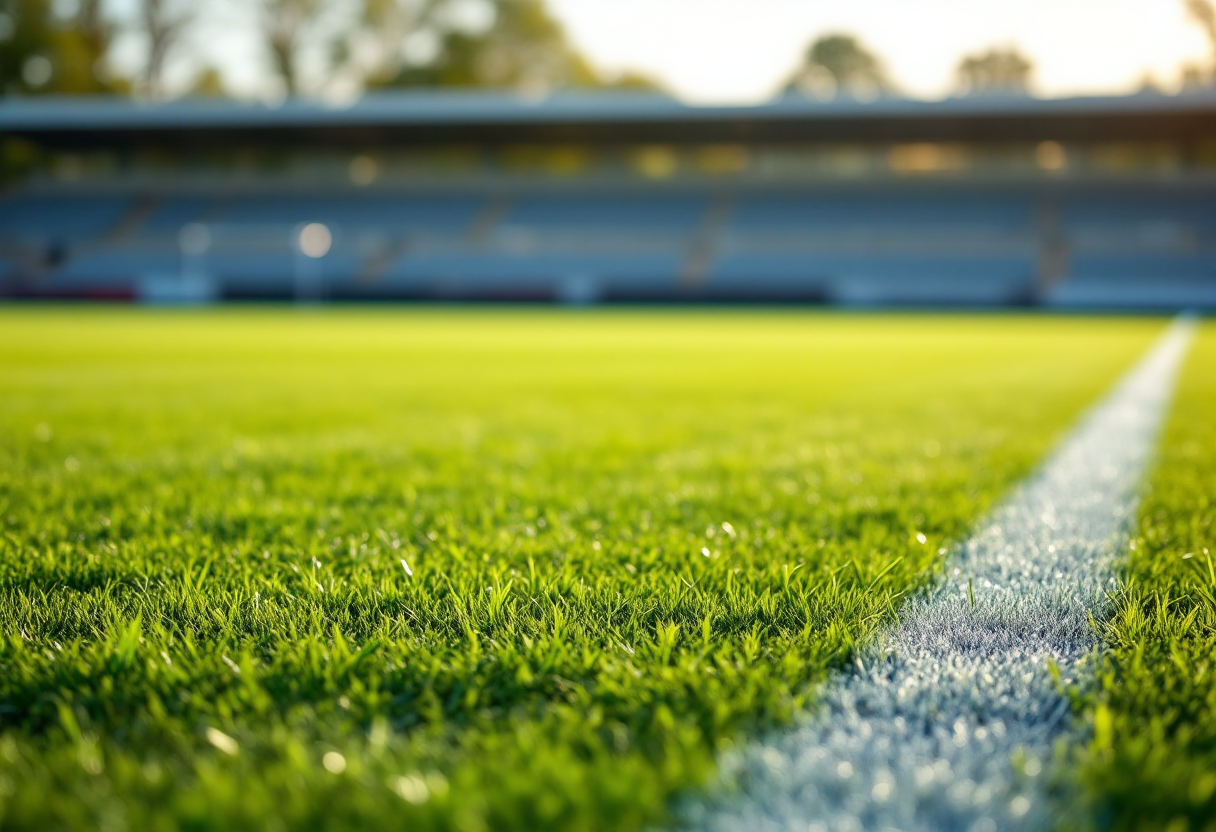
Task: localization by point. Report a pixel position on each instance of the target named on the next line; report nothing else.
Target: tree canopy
(524, 48)
(46, 48)
(1203, 12)
(839, 64)
(309, 47)
(998, 71)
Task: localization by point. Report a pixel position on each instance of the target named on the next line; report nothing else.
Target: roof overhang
(478, 118)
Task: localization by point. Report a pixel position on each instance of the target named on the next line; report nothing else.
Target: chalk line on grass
(947, 723)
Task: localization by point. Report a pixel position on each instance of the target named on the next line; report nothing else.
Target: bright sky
(740, 50)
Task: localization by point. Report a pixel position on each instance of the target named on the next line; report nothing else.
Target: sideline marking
(947, 723)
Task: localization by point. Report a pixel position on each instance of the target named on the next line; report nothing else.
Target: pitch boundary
(948, 721)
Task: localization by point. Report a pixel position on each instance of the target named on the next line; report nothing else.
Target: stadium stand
(45, 218)
(1096, 235)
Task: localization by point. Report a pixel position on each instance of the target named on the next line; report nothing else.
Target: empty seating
(663, 213)
(1139, 207)
(571, 246)
(435, 214)
(1125, 267)
(118, 265)
(1092, 293)
(60, 218)
(169, 215)
(876, 280)
(1140, 280)
(769, 213)
(487, 274)
(269, 275)
(1134, 247)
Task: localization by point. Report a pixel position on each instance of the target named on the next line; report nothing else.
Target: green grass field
(1152, 761)
(485, 570)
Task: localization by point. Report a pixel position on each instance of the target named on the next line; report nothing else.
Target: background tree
(208, 83)
(287, 26)
(311, 46)
(163, 22)
(48, 48)
(373, 47)
(995, 72)
(1204, 14)
(523, 47)
(839, 64)
(26, 35)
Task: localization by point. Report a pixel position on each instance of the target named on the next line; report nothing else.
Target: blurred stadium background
(497, 164)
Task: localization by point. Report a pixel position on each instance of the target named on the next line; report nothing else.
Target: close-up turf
(1151, 761)
(517, 569)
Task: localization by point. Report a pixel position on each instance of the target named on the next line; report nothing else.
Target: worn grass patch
(1151, 763)
(471, 570)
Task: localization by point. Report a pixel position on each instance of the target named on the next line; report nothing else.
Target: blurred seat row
(1114, 247)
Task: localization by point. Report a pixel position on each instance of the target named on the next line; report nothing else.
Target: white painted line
(948, 722)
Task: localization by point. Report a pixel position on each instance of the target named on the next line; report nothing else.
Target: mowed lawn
(474, 570)
(1151, 762)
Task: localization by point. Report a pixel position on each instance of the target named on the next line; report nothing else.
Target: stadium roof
(429, 117)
